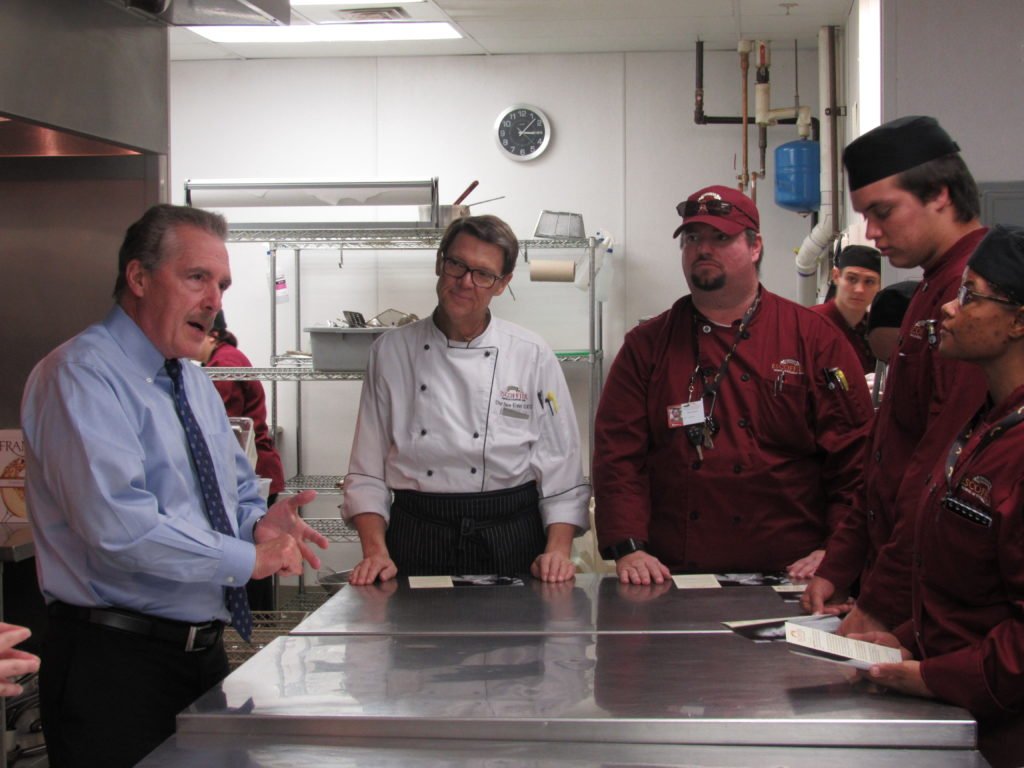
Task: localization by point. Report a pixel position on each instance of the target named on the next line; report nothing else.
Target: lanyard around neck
(1012, 419)
(711, 388)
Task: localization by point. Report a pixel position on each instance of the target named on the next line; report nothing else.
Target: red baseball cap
(726, 209)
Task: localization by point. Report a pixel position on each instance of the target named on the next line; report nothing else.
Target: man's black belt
(187, 637)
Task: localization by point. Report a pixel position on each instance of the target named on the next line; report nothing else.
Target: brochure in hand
(808, 641)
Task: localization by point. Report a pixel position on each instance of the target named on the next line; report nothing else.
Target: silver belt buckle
(191, 642)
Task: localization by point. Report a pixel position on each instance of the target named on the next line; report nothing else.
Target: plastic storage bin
(342, 349)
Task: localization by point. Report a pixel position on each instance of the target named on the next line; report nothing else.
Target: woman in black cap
(965, 642)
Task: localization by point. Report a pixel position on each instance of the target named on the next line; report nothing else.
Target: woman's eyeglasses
(481, 277)
(965, 296)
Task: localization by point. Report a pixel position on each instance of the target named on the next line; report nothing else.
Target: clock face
(523, 132)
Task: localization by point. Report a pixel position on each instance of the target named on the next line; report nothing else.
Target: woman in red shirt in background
(246, 398)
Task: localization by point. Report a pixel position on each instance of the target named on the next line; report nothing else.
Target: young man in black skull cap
(857, 276)
(921, 204)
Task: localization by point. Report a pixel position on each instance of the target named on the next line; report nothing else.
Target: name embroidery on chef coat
(978, 487)
(514, 403)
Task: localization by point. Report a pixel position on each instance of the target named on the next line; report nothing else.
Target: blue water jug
(798, 176)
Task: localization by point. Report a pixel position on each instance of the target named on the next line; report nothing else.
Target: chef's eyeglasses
(965, 296)
(481, 277)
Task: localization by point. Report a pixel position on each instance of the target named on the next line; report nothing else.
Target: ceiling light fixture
(332, 33)
(357, 4)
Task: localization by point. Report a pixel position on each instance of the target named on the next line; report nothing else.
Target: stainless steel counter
(587, 605)
(589, 673)
(261, 752)
(637, 688)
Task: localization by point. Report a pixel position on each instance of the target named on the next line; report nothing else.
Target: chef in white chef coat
(466, 456)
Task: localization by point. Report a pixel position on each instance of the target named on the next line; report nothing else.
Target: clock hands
(523, 131)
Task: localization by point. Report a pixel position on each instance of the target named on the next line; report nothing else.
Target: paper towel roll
(552, 271)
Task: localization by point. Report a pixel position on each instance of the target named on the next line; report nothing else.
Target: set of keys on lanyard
(701, 435)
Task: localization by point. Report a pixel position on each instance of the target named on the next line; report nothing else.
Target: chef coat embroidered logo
(978, 487)
(788, 367)
(514, 402)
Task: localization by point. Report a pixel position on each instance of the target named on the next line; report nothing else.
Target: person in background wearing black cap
(248, 399)
(886, 316)
(731, 431)
(857, 276)
(965, 641)
(921, 204)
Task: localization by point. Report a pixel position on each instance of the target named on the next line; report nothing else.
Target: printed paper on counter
(430, 582)
(840, 650)
(784, 588)
(696, 581)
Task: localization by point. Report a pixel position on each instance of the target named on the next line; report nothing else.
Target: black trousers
(108, 697)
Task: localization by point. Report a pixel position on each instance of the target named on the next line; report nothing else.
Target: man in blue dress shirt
(133, 572)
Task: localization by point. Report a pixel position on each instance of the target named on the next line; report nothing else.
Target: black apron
(437, 534)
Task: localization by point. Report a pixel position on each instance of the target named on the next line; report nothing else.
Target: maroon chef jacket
(247, 398)
(968, 576)
(927, 399)
(785, 467)
(857, 336)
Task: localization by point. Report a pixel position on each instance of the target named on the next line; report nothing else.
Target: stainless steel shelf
(304, 370)
(283, 373)
(307, 600)
(334, 528)
(320, 483)
(374, 239)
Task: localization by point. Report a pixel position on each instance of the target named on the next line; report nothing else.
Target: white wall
(625, 151)
(964, 64)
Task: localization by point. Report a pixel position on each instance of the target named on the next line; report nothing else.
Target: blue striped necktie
(235, 597)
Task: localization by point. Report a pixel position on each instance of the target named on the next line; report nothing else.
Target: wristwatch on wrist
(623, 548)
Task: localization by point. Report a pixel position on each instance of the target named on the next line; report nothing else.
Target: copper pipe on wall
(744, 50)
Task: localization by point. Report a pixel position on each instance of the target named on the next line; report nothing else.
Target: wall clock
(522, 132)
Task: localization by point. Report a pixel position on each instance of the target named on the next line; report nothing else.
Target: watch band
(623, 548)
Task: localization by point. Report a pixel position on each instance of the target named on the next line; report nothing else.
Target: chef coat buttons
(736, 519)
(737, 468)
(695, 515)
(706, 328)
(743, 423)
(695, 465)
(426, 346)
(476, 434)
(231, 579)
(472, 470)
(423, 432)
(745, 377)
(871, 514)
(487, 354)
(430, 473)
(878, 456)
(423, 387)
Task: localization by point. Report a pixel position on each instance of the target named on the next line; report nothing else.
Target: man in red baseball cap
(730, 431)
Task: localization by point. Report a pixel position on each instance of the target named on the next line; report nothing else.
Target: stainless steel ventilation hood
(198, 13)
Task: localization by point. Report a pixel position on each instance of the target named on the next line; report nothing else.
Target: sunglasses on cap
(709, 207)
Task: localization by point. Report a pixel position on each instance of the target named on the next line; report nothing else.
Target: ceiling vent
(200, 13)
(370, 14)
